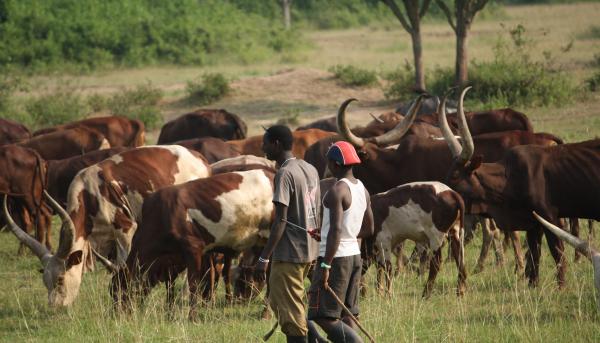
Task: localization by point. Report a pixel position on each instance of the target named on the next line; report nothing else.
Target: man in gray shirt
(297, 201)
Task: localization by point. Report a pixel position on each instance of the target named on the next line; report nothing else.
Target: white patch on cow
(116, 158)
(245, 211)
(408, 222)
(189, 166)
(438, 186)
(392, 147)
(104, 145)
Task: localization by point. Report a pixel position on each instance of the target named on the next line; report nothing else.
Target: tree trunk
(287, 17)
(462, 61)
(418, 56)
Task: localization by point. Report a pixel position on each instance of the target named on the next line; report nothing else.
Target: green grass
(498, 307)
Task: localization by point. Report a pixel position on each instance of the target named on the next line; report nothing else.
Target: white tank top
(352, 219)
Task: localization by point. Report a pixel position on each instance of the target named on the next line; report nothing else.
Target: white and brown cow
(424, 212)
(103, 206)
(181, 224)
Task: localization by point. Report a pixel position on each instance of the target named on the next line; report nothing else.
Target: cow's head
(63, 270)
(391, 137)
(462, 175)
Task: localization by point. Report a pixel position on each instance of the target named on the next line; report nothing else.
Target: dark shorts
(344, 280)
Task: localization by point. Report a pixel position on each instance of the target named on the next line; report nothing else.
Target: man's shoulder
(308, 167)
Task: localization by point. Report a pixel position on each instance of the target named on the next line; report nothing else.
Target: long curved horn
(36, 247)
(379, 120)
(463, 128)
(343, 128)
(67, 230)
(395, 134)
(113, 268)
(579, 245)
(453, 143)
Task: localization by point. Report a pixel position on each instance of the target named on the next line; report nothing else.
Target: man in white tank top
(346, 206)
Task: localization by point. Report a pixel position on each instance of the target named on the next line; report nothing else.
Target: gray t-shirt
(297, 187)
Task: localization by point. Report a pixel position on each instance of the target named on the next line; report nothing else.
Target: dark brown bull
(104, 205)
(505, 119)
(119, 131)
(180, 224)
(203, 123)
(213, 149)
(556, 182)
(325, 124)
(66, 143)
(12, 132)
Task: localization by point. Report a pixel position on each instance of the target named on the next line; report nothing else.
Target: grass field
(498, 306)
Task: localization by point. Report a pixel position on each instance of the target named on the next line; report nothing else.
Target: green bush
(41, 35)
(592, 32)
(593, 83)
(57, 107)
(350, 75)
(208, 88)
(140, 103)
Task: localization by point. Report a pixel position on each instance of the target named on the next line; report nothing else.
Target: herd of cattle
(202, 195)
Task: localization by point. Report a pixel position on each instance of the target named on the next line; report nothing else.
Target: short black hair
(282, 134)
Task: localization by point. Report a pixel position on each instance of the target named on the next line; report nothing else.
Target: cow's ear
(74, 259)
(475, 163)
(363, 155)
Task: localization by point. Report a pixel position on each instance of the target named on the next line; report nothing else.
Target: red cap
(343, 153)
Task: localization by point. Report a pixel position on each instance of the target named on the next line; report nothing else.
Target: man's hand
(325, 278)
(260, 271)
(315, 234)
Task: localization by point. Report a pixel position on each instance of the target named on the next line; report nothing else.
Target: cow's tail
(140, 133)
(460, 217)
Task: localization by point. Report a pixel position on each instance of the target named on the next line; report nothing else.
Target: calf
(104, 203)
(424, 212)
(180, 224)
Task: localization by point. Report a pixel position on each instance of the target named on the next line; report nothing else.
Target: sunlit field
(498, 305)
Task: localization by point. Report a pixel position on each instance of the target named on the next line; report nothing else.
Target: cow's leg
(591, 228)
(434, 268)
(557, 249)
(45, 221)
(458, 254)
(487, 239)
(499, 246)
(516, 242)
(226, 272)
(401, 259)
(574, 228)
(208, 277)
(534, 239)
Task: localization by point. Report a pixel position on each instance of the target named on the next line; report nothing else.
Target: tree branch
(424, 8)
(398, 13)
(447, 12)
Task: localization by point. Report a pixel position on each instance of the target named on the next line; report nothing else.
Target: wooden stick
(354, 319)
(270, 333)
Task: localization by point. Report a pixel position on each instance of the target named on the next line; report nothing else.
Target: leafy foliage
(59, 106)
(593, 82)
(354, 76)
(138, 103)
(208, 88)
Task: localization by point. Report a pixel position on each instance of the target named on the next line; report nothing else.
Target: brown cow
(62, 172)
(23, 178)
(203, 123)
(180, 224)
(425, 212)
(104, 205)
(555, 181)
(119, 131)
(325, 124)
(12, 132)
(302, 140)
(213, 149)
(67, 143)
